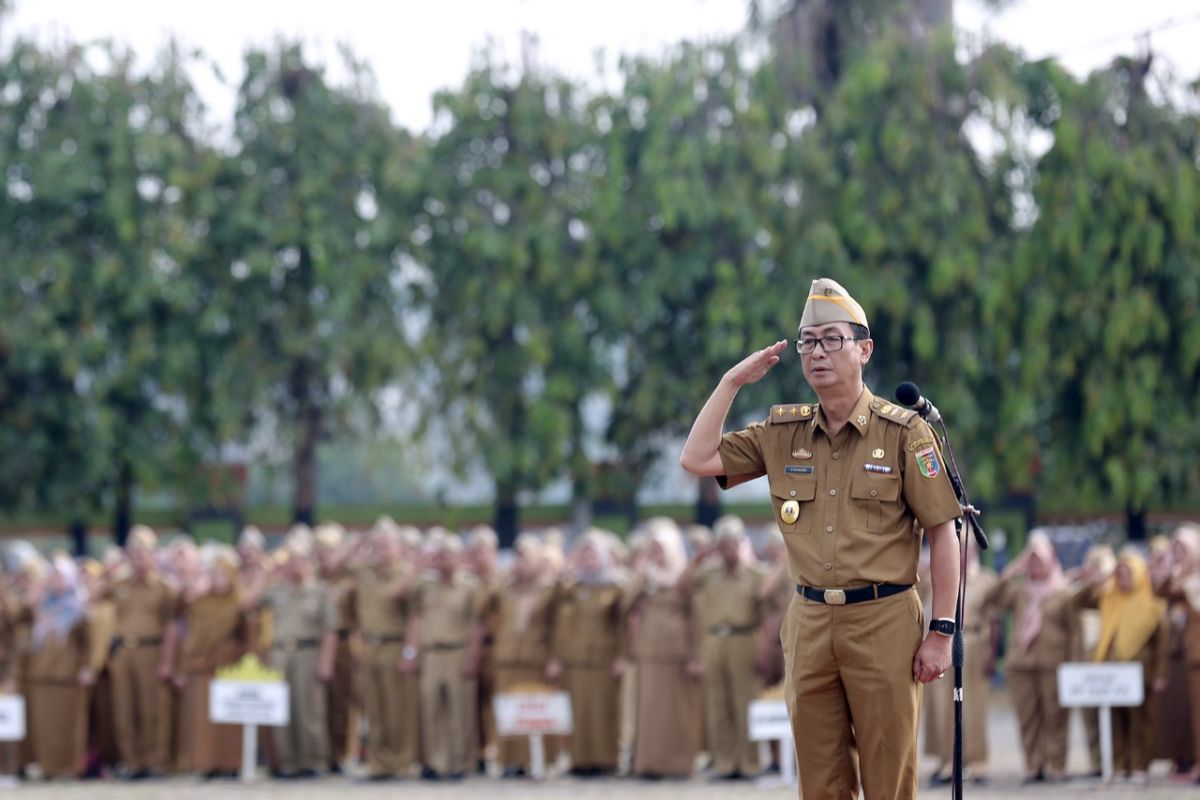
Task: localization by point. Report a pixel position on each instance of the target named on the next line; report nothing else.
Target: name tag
(877, 468)
(792, 469)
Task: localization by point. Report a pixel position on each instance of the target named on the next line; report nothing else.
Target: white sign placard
(769, 720)
(533, 714)
(1094, 685)
(248, 703)
(12, 718)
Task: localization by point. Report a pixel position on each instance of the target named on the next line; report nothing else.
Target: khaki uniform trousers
(341, 712)
(303, 743)
(141, 708)
(728, 687)
(1042, 720)
(448, 711)
(390, 701)
(850, 694)
(60, 737)
(1134, 734)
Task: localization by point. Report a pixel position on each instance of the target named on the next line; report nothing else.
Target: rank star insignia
(862, 420)
(793, 411)
(802, 453)
(779, 412)
(877, 452)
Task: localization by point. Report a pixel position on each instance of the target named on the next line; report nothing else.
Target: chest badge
(880, 468)
(802, 453)
(877, 453)
(793, 469)
(790, 512)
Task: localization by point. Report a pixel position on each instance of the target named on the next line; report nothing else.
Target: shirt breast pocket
(873, 496)
(794, 506)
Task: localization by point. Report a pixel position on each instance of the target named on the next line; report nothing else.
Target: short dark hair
(859, 331)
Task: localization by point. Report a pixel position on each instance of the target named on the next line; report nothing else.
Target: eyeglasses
(830, 344)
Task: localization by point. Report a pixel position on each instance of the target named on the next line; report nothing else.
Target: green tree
(1110, 277)
(306, 251)
(510, 286)
(96, 328)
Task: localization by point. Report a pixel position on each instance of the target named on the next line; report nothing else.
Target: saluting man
(854, 480)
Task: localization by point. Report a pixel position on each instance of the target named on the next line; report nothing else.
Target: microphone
(907, 394)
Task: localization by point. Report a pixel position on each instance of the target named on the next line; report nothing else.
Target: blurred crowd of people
(393, 642)
(1131, 605)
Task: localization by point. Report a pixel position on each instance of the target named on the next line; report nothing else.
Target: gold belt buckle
(835, 597)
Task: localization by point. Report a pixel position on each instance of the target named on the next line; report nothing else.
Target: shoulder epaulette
(893, 413)
(793, 412)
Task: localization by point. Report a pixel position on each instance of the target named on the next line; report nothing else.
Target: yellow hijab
(1128, 619)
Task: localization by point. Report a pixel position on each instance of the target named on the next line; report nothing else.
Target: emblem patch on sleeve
(927, 462)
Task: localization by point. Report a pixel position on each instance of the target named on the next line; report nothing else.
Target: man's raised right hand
(753, 367)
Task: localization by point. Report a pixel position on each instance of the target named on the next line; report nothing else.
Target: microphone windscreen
(907, 394)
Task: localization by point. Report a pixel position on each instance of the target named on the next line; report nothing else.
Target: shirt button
(792, 493)
(828, 565)
(829, 529)
(835, 456)
(874, 493)
(833, 492)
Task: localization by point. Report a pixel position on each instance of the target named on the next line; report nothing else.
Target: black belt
(294, 644)
(843, 597)
(133, 641)
(731, 630)
(446, 646)
(371, 638)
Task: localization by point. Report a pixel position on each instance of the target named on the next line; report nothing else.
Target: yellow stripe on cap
(847, 307)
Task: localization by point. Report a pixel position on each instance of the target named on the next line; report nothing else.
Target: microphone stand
(969, 519)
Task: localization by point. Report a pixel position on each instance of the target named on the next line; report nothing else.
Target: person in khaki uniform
(1183, 588)
(728, 599)
(331, 552)
(524, 631)
(102, 621)
(445, 635)
(664, 648)
(854, 480)
(1099, 561)
(983, 586)
(590, 643)
(1045, 633)
(390, 697)
(60, 672)
(1133, 628)
(142, 657)
(303, 644)
(217, 636)
(481, 556)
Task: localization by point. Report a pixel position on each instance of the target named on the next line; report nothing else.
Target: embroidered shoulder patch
(927, 462)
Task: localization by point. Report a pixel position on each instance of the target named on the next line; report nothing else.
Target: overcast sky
(417, 48)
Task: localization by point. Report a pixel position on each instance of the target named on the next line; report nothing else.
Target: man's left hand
(932, 659)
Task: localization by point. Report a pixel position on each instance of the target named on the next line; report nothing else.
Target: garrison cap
(829, 302)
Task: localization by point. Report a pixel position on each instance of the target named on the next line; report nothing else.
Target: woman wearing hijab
(589, 652)
(216, 637)
(1097, 567)
(667, 733)
(1172, 719)
(1044, 635)
(1133, 627)
(60, 672)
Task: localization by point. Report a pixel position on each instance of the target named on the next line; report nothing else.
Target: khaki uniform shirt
(378, 613)
(858, 496)
(524, 622)
(300, 612)
(1058, 638)
(449, 611)
(725, 600)
(589, 625)
(144, 608)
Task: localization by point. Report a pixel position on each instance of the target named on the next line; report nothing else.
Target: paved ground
(1004, 784)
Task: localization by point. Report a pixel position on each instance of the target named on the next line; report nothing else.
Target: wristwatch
(943, 626)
